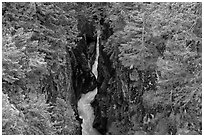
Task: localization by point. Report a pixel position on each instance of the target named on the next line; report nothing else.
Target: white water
(84, 107)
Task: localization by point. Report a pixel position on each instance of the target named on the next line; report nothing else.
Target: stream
(85, 109)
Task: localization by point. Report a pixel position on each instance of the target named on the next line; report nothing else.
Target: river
(84, 107)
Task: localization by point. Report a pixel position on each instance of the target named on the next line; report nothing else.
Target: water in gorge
(85, 109)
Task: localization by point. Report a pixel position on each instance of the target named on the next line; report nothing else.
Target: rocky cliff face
(102, 99)
(82, 57)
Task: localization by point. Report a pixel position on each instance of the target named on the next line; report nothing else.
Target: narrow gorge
(85, 109)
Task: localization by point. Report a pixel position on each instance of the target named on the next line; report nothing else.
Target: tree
(35, 52)
(153, 34)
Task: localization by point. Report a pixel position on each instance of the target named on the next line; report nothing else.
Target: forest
(148, 68)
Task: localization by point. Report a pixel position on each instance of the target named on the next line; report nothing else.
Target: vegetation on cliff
(149, 71)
